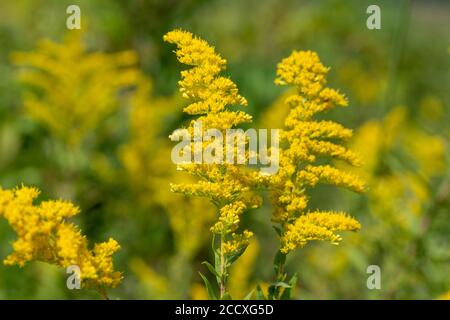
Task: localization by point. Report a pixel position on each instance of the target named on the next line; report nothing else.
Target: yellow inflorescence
(305, 142)
(202, 82)
(318, 225)
(228, 186)
(73, 89)
(45, 235)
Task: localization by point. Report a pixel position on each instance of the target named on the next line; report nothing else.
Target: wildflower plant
(305, 145)
(406, 170)
(228, 186)
(44, 234)
(71, 90)
(148, 148)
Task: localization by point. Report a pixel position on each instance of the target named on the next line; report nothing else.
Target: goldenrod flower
(318, 225)
(72, 90)
(148, 148)
(202, 82)
(45, 235)
(226, 185)
(306, 142)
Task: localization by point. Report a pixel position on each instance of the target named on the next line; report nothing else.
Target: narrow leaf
(287, 294)
(249, 295)
(278, 230)
(278, 261)
(211, 268)
(209, 289)
(226, 296)
(259, 293)
(280, 284)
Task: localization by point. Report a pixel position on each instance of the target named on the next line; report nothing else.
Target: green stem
(279, 266)
(103, 293)
(222, 269)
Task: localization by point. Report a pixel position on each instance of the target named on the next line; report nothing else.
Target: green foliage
(405, 63)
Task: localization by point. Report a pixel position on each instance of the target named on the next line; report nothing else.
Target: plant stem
(279, 265)
(103, 293)
(222, 269)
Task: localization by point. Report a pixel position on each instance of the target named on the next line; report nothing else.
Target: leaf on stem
(209, 288)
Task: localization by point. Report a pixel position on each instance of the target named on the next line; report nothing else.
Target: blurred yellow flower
(72, 90)
(396, 194)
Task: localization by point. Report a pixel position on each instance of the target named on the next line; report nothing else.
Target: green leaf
(278, 230)
(209, 289)
(249, 295)
(279, 260)
(213, 244)
(271, 293)
(211, 268)
(288, 291)
(259, 293)
(280, 284)
(217, 266)
(226, 296)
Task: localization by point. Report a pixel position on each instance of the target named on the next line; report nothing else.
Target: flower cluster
(305, 142)
(228, 186)
(71, 89)
(45, 235)
(317, 225)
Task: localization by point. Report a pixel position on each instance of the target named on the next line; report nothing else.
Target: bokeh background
(118, 169)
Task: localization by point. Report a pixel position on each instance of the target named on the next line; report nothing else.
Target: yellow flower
(228, 186)
(446, 295)
(72, 90)
(306, 142)
(399, 197)
(238, 242)
(318, 225)
(202, 82)
(45, 235)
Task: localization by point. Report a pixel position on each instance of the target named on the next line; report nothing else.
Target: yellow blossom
(306, 142)
(230, 187)
(226, 185)
(72, 90)
(238, 242)
(318, 225)
(44, 234)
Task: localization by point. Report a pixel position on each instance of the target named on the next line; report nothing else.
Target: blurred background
(100, 138)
